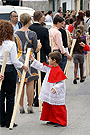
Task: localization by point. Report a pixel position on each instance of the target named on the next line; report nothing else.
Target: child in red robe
(53, 90)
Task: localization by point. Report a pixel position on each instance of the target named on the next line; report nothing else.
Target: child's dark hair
(78, 33)
(67, 21)
(55, 55)
(71, 21)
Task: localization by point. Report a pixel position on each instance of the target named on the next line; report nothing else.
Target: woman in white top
(9, 82)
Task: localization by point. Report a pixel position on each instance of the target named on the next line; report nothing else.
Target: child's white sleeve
(39, 66)
(60, 87)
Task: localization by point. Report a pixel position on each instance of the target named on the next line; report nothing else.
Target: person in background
(87, 18)
(43, 35)
(65, 44)
(57, 37)
(67, 23)
(78, 56)
(53, 91)
(9, 83)
(14, 20)
(48, 17)
(25, 39)
(70, 27)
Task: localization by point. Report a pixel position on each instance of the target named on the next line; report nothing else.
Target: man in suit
(43, 35)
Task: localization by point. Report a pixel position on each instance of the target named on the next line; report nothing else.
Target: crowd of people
(17, 37)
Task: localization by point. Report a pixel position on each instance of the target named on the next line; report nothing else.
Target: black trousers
(8, 93)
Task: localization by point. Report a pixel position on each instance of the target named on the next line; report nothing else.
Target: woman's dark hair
(55, 55)
(57, 19)
(25, 18)
(6, 31)
(79, 18)
(78, 33)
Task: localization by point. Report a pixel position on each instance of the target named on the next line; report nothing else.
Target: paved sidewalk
(78, 105)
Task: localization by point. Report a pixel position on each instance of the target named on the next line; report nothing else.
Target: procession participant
(48, 17)
(9, 83)
(25, 39)
(14, 20)
(57, 37)
(43, 35)
(78, 56)
(65, 44)
(1, 77)
(53, 90)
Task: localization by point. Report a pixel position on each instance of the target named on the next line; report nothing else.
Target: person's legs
(2, 106)
(22, 95)
(75, 73)
(30, 92)
(10, 86)
(81, 73)
(63, 62)
(75, 70)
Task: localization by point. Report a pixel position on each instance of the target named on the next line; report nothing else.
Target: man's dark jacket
(43, 35)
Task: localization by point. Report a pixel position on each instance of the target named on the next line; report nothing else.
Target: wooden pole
(4, 65)
(20, 90)
(39, 80)
(71, 52)
(87, 57)
(51, 44)
(88, 53)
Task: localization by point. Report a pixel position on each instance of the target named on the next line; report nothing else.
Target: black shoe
(57, 125)
(50, 123)
(74, 81)
(82, 80)
(14, 125)
(3, 125)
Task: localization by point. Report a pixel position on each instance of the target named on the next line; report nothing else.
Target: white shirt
(16, 28)
(12, 56)
(48, 18)
(46, 94)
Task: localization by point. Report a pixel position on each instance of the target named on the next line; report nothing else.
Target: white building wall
(68, 4)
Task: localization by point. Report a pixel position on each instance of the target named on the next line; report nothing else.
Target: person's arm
(59, 87)
(1, 77)
(37, 65)
(86, 47)
(14, 60)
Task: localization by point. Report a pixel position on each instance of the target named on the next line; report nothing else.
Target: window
(81, 4)
(64, 7)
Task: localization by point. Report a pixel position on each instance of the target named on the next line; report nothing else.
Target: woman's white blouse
(12, 56)
(46, 94)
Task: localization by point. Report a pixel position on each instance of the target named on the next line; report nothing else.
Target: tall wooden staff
(4, 65)
(71, 52)
(87, 58)
(51, 44)
(39, 80)
(88, 52)
(20, 90)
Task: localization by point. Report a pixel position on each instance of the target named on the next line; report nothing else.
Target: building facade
(45, 5)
